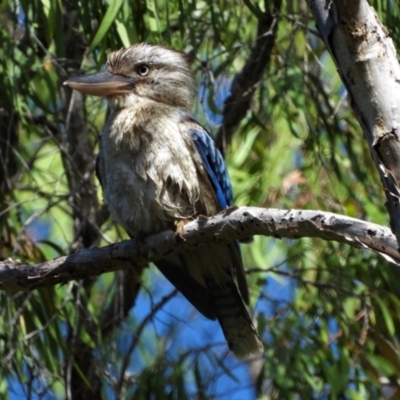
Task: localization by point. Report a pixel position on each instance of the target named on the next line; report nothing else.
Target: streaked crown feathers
(170, 78)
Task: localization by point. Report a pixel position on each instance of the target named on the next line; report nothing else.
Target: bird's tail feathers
(201, 278)
(234, 318)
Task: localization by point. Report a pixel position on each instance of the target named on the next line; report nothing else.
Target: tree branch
(366, 60)
(231, 224)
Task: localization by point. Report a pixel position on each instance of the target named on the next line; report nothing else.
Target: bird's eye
(143, 70)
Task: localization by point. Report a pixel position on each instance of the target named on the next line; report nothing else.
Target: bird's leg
(180, 227)
(230, 209)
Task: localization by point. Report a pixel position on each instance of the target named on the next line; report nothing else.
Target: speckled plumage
(157, 166)
(150, 182)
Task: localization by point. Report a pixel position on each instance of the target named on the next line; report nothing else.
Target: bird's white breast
(150, 174)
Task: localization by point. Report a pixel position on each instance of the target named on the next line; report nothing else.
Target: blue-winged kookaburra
(158, 166)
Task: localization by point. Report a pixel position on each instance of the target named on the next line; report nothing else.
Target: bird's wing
(213, 163)
(174, 268)
(216, 264)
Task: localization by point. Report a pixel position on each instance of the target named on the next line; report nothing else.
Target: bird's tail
(234, 318)
(206, 278)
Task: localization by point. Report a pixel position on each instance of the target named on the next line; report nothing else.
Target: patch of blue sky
(188, 332)
(38, 391)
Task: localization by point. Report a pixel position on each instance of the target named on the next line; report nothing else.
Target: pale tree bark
(366, 60)
(232, 224)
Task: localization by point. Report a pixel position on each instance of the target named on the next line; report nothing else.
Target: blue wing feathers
(214, 165)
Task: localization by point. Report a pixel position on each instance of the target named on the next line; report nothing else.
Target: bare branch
(366, 60)
(231, 224)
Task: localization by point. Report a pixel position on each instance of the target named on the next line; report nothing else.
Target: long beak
(102, 83)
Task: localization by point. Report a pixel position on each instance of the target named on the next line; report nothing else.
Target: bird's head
(151, 72)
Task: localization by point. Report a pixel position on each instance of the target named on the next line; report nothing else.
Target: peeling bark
(367, 63)
(231, 224)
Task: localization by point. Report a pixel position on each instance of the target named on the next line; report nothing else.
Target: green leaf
(106, 22)
(123, 33)
(386, 315)
(49, 12)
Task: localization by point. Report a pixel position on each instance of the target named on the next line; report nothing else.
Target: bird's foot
(180, 227)
(230, 209)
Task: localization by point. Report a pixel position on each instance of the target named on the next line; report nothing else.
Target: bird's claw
(230, 209)
(180, 228)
